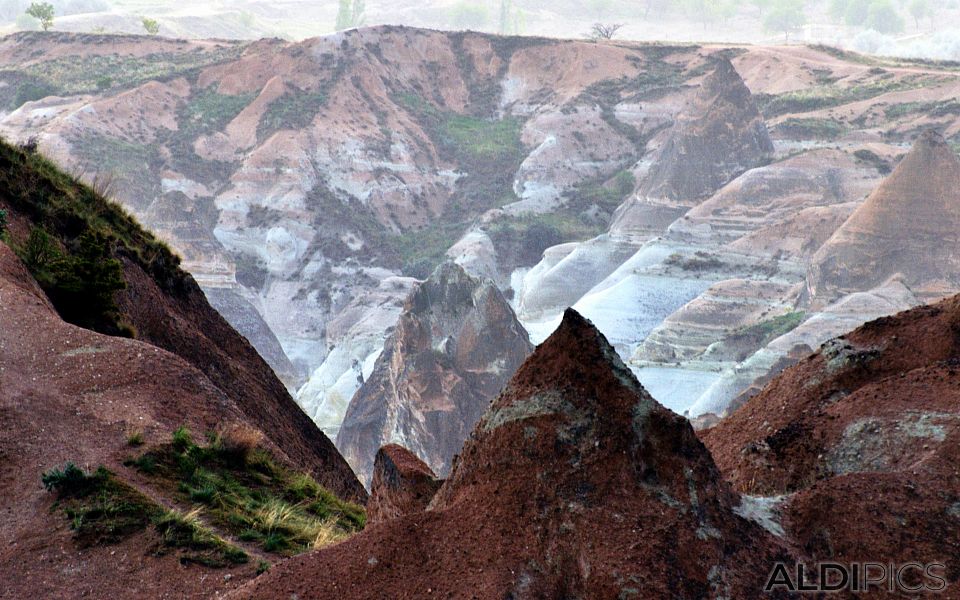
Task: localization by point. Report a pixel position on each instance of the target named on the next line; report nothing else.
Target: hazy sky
(925, 28)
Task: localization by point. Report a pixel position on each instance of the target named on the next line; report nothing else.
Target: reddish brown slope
(402, 484)
(779, 440)
(576, 483)
(168, 310)
(68, 394)
(865, 435)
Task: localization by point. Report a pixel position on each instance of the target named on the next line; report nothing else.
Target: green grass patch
(478, 144)
(828, 96)
(208, 110)
(197, 544)
(103, 510)
(77, 239)
(773, 328)
(421, 250)
(526, 237)
(245, 492)
(75, 74)
(606, 194)
(293, 110)
(929, 109)
(822, 129)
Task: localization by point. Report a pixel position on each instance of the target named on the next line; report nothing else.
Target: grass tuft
(246, 493)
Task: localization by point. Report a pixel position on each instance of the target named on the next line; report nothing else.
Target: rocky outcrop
(908, 226)
(717, 137)
(402, 484)
(866, 430)
(71, 393)
(455, 345)
(575, 483)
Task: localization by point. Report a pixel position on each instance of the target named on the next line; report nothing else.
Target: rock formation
(402, 484)
(72, 394)
(718, 136)
(455, 345)
(909, 226)
(575, 483)
(865, 431)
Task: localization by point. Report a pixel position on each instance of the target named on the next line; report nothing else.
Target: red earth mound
(69, 394)
(862, 440)
(575, 483)
(402, 484)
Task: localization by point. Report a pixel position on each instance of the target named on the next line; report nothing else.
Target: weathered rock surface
(718, 136)
(575, 482)
(909, 226)
(744, 379)
(455, 345)
(296, 178)
(402, 484)
(305, 184)
(866, 431)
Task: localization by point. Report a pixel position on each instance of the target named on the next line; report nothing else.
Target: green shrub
(182, 439)
(67, 480)
(100, 508)
(81, 284)
(293, 110)
(31, 91)
(254, 499)
(3, 223)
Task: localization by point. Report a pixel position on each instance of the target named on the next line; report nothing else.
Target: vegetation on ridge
(242, 490)
(104, 510)
(77, 239)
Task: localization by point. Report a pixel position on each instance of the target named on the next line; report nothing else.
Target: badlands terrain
(701, 204)
(499, 273)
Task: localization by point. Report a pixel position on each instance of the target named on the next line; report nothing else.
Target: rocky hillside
(863, 431)
(909, 226)
(575, 483)
(549, 167)
(456, 344)
(109, 349)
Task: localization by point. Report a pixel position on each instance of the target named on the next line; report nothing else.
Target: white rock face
(845, 315)
(476, 254)
(357, 336)
(567, 272)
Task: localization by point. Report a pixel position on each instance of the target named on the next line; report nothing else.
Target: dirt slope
(69, 394)
(866, 431)
(575, 483)
(908, 226)
(164, 307)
